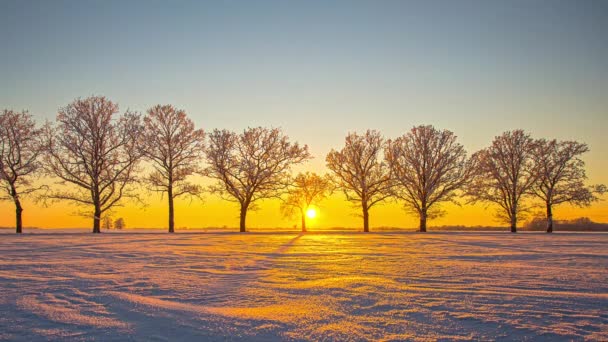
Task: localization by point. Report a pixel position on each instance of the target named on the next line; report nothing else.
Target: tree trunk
(513, 223)
(423, 220)
(171, 210)
(243, 218)
(97, 220)
(18, 212)
(549, 219)
(303, 220)
(18, 209)
(365, 219)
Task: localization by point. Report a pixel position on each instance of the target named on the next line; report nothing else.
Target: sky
(318, 70)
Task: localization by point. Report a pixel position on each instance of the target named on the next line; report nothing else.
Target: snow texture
(315, 286)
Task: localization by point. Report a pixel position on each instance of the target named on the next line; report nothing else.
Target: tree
(428, 166)
(119, 223)
(364, 179)
(561, 176)
(20, 149)
(308, 189)
(94, 155)
(107, 222)
(535, 223)
(504, 174)
(251, 166)
(174, 147)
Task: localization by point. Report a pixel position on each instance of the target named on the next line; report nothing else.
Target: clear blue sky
(319, 69)
(347, 64)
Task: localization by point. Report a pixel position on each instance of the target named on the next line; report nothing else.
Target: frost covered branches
(308, 189)
(94, 154)
(561, 176)
(360, 172)
(504, 174)
(251, 166)
(20, 149)
(428, 167)
(174, 148)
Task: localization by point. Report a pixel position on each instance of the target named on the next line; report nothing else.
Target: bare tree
(308, 189)
(358, 171)
(175, 148)
(20, 149)
(119, 223)
(428, 167)
(94, 155)
(561, 176)
(504, 174)
(251, 166)
(106, 222)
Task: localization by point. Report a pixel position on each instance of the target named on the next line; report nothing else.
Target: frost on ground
(324, 286)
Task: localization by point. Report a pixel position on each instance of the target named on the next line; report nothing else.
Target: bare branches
(561, 176)
(504, 174)
(359, 172)
(174, 148)
(308, 188)
(20, 149)
(428, 166)
(251, 166)
(94, 153)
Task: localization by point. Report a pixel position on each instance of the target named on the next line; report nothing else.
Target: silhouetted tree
(308, 188)
(20, 149)
(94, 152)
(504, 174)
(428, 166)
(175, 148)
(581, 221)
(561, 176)
(251, 166)
(359, 172)
(536, 223)
(107, 222)
(119, 223)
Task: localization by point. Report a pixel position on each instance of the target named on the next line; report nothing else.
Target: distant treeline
(93, 156)
(578, 224)
(581, 224)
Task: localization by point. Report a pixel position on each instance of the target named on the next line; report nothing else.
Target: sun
(311, 213)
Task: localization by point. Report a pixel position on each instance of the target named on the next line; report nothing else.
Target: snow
(315, 286)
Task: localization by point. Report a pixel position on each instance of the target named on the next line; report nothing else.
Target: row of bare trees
(95, 156)
(427, 167)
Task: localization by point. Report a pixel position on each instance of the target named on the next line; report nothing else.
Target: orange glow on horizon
(214, 212)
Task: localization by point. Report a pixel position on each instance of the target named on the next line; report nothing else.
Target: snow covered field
(324, 286)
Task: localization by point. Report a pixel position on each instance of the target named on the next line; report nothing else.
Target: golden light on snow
(311, 213)
(256, 278)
